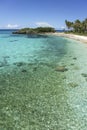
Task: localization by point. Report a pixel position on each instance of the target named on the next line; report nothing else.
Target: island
(38, 30)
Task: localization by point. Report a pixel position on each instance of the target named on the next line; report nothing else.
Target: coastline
(71, 36)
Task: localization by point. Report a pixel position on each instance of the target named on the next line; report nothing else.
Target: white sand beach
(72, 36)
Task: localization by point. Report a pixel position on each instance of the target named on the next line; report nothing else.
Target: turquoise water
(34, 93)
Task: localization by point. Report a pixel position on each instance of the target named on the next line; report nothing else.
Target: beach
(72, 36)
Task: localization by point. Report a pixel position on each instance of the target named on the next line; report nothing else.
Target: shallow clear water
(34, 95)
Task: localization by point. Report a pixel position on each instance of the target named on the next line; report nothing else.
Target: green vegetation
(77, 27)
(35, 30)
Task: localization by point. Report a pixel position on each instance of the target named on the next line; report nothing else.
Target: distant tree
(77, 26)
(35, 30)
(44, 29)
(68, 24)
(85, 24)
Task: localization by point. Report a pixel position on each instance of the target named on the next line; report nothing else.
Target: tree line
(35, 30)
(77, 26)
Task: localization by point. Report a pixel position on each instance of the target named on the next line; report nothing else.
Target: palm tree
(85, 25)
(68, 24)
(77, 26)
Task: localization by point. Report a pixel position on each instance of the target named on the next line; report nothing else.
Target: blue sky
(33, 13)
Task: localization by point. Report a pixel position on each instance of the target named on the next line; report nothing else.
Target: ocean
(43, 82)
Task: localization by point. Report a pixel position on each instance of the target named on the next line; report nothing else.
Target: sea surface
(43, 82)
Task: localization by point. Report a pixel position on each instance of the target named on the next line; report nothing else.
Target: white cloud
(62, 27)
(43, 24)
(12, 26)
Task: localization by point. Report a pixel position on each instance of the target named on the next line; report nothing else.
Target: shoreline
(71, 36)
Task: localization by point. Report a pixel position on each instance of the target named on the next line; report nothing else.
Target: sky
(34, 13)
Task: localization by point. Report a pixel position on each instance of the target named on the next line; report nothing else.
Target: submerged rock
(1, 64)
(72, 64)
(73, 84)
(13, 40)
(86, 79)
(6, 57)
(61, 69)
(4, 62)
(19, 64)
(84, 75)
(23, 70)
(35, 69)
(74, 58)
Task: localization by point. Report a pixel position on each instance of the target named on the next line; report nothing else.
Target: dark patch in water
(74, 58)
(17, 35)
(72, 64)
(4, 62)
(36, 36)
(35, 69)
(19, 64)
(84, 75)
(5, 37)
(29, 35)
(70, 56)
(13, 40)
(23, 70)
(72, 84)
(6, 57)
